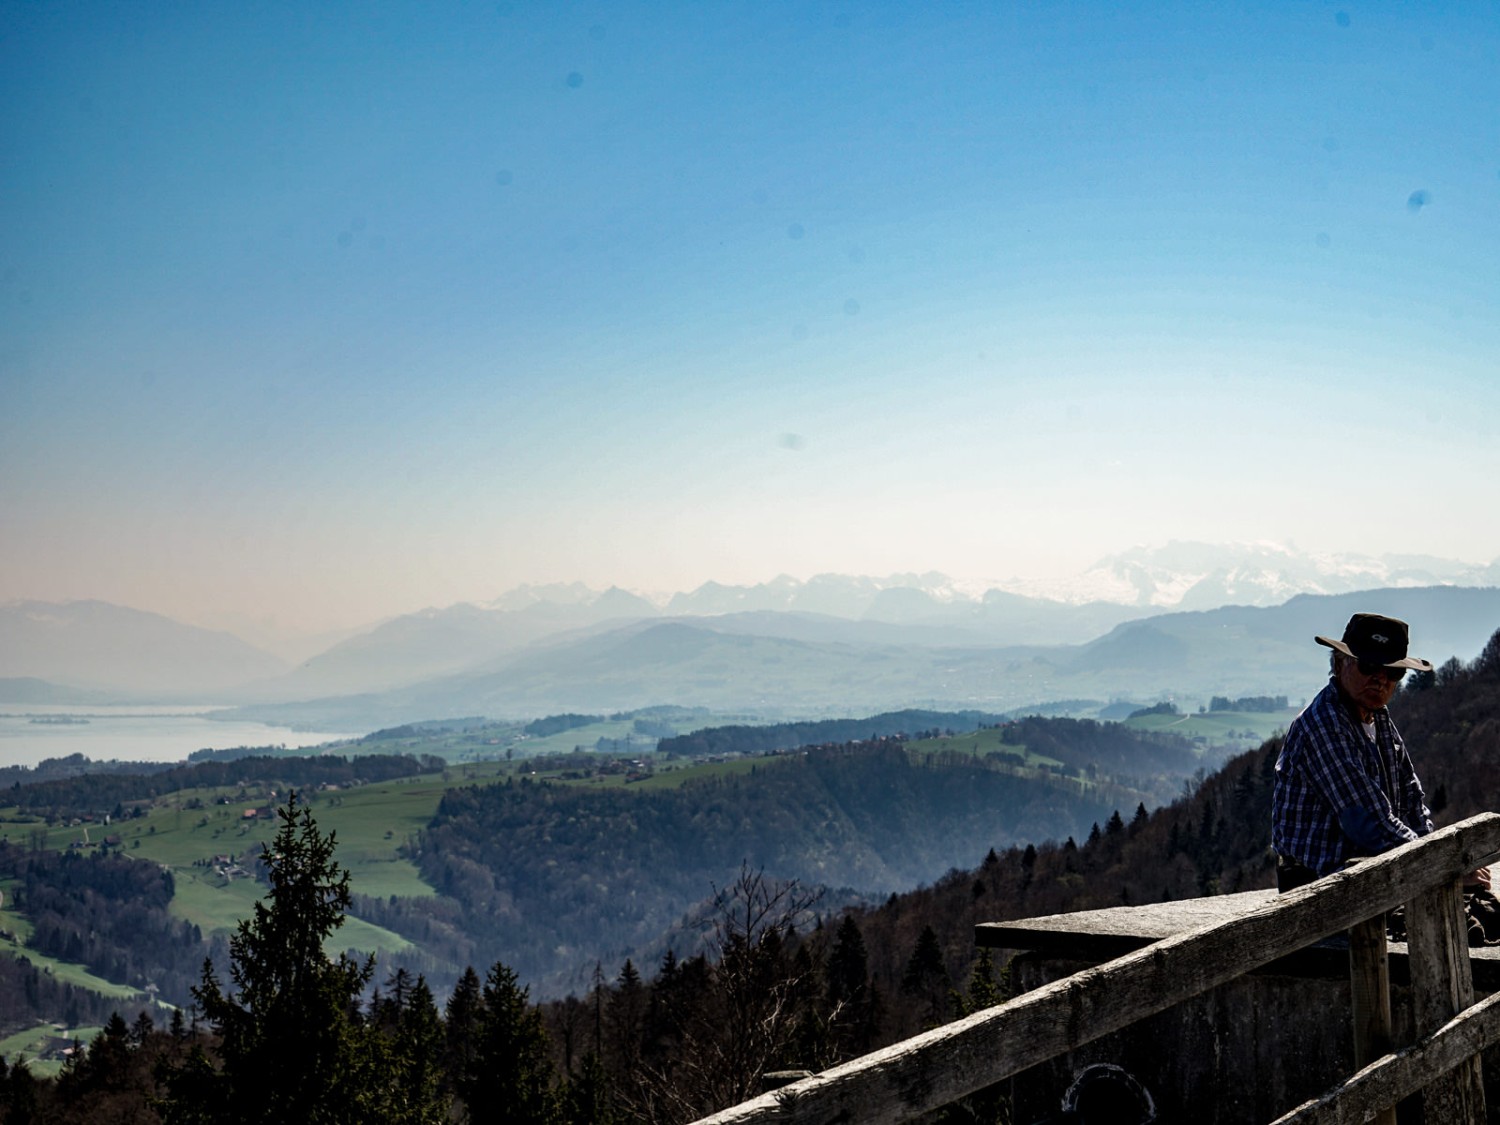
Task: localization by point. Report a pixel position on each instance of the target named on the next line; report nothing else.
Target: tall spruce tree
(463, 1015)
(290, 1043)
(850, 999)
(511, 1081)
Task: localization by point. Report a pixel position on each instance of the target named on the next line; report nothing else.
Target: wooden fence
(931, 1070)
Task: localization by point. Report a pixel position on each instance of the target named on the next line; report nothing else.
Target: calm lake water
(133, 734)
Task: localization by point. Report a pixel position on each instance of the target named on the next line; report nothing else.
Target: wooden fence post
(1437, 935)
(1370, 998)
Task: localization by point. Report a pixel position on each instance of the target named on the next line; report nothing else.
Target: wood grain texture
(931, 1070)
(1370, 997)
(1441, 987)
(1389, 1079)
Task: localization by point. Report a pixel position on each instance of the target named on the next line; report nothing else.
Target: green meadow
(508, 742)
(979, 743)
(28, 1045)
(186, 830)
(1221, 730)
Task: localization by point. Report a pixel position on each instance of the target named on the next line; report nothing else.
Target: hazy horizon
(1112, 579)
(314, 317)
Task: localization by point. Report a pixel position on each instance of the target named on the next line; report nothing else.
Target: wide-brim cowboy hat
(1375, 639)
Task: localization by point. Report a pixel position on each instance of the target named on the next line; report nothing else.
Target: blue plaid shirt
(1331, 780)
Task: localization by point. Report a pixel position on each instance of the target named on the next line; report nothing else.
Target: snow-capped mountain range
(93, 646)
(1179, 575)
(1204, 576)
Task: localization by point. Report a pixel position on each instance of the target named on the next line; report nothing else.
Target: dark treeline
(29, 995)
(106, 912)
(73, 765)
(556, 724)
(1262, 703)
(711, 741)
(1103, 749)
(427, 728)
(100, 792)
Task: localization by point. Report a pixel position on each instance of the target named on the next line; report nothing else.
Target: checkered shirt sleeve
(1328, 764)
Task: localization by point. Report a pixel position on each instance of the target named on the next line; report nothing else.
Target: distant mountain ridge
(1186, 575)
(827, 667)
(751, 643)
(95, 646)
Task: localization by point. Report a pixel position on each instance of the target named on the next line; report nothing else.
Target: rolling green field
(1220, 730)
(30, 1043)
(65, 971)
(511, 742)
(979, 742)
(370, 822)
(186, 830)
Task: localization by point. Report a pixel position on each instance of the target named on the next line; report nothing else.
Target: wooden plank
(1389, 1079)
(1101, 935)
(1438, 944)
(1098, 935)
(1370, 998)
(931, 1070)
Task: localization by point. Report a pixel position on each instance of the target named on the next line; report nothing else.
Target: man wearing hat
(1345, 786)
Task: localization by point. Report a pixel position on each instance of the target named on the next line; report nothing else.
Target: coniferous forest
(280, 1031)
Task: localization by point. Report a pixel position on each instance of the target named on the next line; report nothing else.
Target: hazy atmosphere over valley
(312, 320)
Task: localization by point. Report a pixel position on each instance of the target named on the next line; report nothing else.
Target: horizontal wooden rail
(931, 1070)
(1389, 1079)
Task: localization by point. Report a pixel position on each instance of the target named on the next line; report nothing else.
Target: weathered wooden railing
(931, 1070)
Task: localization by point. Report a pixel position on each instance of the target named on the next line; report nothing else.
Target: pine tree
(404, 1060)
(512, 1077)
(625, 1017)
(289, 1047)
(18, 1095)
(1140, 819)
(848, 964)
(850, 997)
(984, 987)
(586, 1098)
(464, 1014)
(926, 978)
(991, 1104)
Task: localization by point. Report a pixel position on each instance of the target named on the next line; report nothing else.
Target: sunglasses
(1373, 668)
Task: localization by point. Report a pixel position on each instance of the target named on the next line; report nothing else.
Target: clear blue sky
(320, 312)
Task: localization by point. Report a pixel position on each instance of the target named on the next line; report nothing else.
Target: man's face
(1372, 690)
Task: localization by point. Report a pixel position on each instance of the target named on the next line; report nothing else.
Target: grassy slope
(979, 742)
(27, 1044)
(371, 823)
(1232, 731)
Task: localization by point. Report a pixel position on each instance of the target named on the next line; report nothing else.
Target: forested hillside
(759, 739)
(106, 912)
(533, 868)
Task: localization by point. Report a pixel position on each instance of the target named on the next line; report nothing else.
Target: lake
(133, 734)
